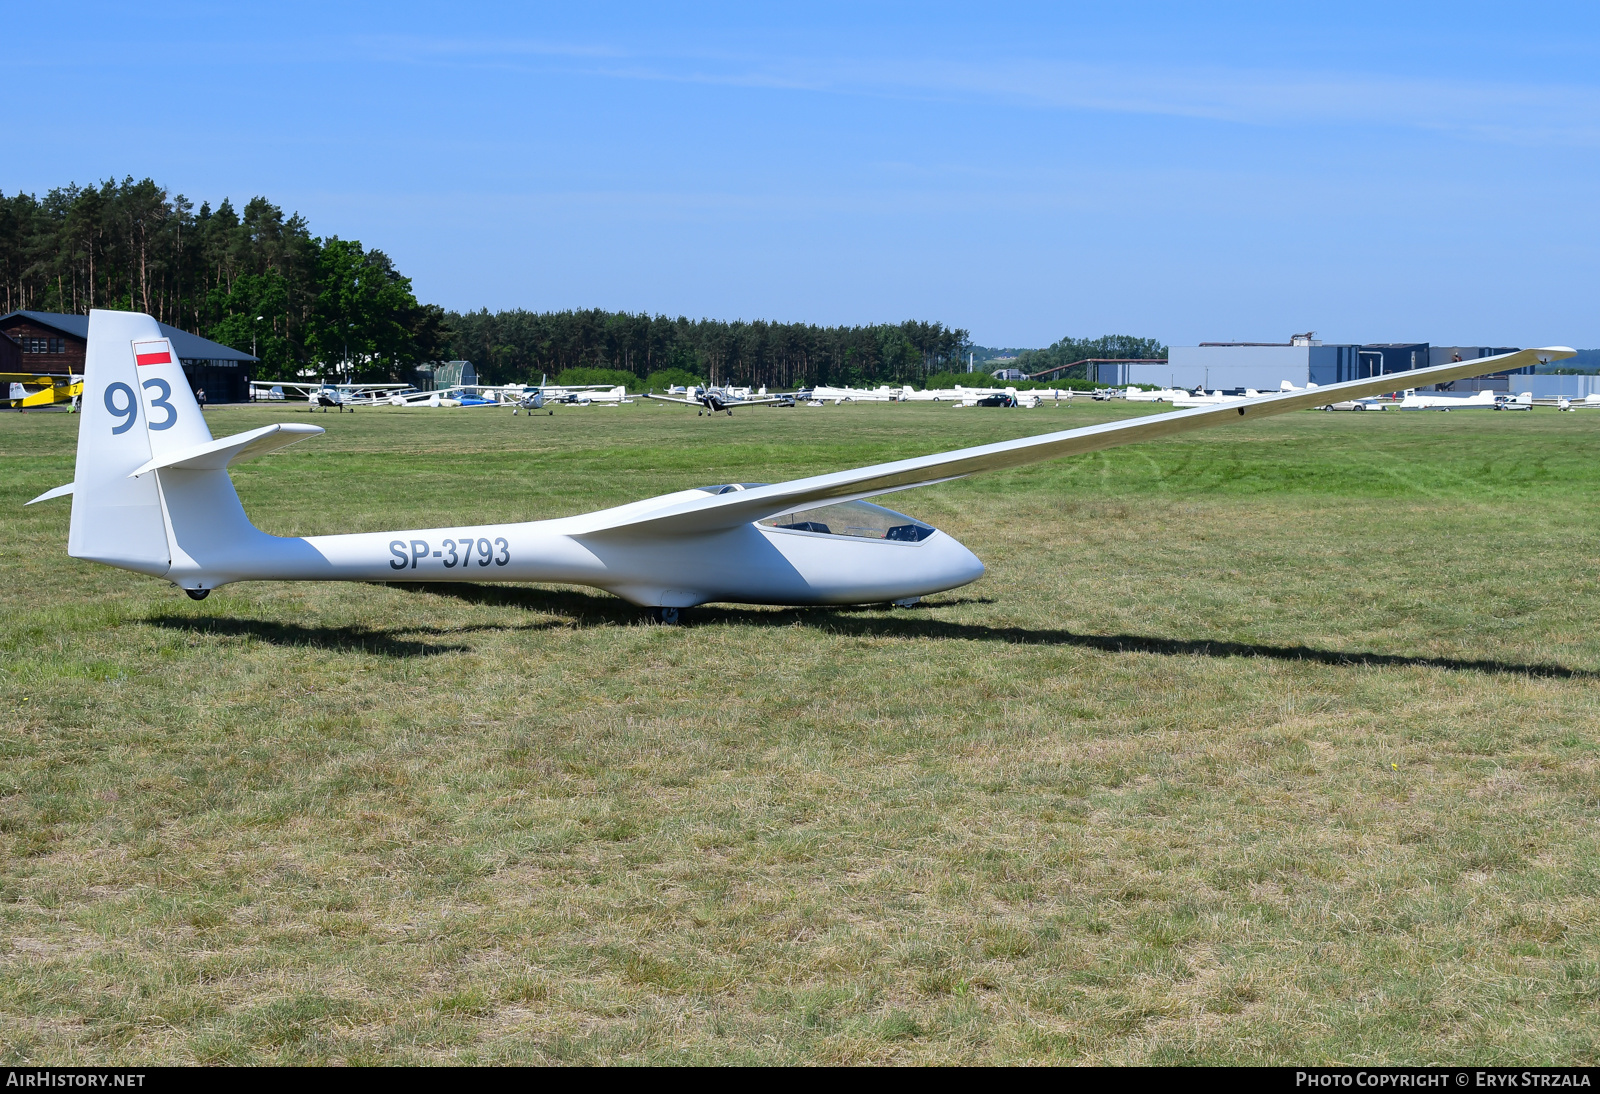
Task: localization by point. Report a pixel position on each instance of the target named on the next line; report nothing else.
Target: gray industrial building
(1235, 366)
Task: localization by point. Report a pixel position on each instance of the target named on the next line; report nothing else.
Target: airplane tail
(151, 492)
(136, 405)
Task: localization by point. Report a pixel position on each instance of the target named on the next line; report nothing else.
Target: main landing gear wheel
(667, 617)
(198, 594)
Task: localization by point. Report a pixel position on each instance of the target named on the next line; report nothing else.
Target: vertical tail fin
(115, 519)
(136, 405)
(152, 492)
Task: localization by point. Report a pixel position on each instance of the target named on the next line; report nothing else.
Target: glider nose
(964, 566)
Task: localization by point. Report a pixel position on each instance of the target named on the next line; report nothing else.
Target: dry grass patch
(1276, 744)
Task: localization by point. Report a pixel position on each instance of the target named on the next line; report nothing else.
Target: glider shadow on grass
(588, 610)
(384, 643)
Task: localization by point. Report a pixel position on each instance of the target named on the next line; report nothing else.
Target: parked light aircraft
(883, 393)
(47, 388)
(1009, 396)
(544, 395)
(321, 395)
(152, 495)
(414, 397)
(1199, 397)
(1415, 400)
(530, 397)
(715, 400)
(1373, 403)
(1160, 395)
(1588, 401)
(958, 395)
(449, 397)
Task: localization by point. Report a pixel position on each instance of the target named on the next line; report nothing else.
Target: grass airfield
(1275, 743)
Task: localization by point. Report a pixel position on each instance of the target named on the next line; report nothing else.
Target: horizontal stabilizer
(58, 492)
(215, 455)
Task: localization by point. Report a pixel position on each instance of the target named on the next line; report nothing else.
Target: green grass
(1277, 743)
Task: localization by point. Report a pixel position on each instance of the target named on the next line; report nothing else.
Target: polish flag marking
(155, 352)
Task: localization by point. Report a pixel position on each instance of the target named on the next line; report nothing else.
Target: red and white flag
(157, 351)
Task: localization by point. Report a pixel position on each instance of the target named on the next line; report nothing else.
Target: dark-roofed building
(55, 342)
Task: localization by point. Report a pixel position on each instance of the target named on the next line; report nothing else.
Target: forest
(306, 305)
(512, 345)
(251, 279)
(1070, 350)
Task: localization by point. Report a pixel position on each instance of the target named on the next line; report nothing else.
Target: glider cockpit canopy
(858, 519)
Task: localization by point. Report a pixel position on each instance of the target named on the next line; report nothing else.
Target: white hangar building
(1235, 366)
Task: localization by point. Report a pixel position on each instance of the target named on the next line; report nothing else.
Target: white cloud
(1495, 109)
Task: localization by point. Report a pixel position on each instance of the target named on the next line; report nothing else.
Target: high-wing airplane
(321, 395)
(153, 495)
(37, 389)
(543, 395)
(715, 400)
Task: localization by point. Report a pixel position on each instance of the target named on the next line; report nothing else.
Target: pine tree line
(1069, 350)
(257, 280)
(518, 345)
(306, 305)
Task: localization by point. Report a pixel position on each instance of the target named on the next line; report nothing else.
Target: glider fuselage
(214, 543)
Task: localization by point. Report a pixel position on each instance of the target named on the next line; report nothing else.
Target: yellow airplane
(51, 388)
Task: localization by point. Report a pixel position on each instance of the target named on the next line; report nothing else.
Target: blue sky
(1376, 172)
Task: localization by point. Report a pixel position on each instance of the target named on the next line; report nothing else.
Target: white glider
(1412, 400)
(153, 495)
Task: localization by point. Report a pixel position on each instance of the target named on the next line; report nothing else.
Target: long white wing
(709, 512)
